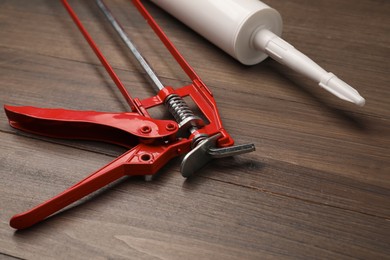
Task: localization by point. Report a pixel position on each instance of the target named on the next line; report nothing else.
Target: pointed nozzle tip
(360, 102)
(342, 90)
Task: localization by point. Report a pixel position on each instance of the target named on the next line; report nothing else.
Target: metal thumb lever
(215, 152)
(207, 150)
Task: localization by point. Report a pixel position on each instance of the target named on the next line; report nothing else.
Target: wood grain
(317, 186)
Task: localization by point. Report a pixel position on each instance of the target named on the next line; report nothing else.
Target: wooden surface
(317, 187)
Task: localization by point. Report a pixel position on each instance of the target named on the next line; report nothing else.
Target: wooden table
(316, 187)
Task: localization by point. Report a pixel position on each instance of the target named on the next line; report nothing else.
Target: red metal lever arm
(141, 160)
(101, 57)
(165, 40)
(125, 129)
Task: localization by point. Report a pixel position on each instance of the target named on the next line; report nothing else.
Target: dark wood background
(316, 187)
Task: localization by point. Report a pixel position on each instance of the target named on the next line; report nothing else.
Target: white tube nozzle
(283, 52)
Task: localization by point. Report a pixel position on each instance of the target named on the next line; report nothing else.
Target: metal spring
(179, 108)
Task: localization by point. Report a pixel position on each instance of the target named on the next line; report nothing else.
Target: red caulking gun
(151, 142)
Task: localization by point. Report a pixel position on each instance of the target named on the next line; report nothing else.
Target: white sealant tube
(250, 31)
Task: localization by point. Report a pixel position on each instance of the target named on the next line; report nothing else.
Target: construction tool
(151, 142)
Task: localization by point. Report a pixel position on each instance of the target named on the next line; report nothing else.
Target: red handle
(95, 181)
(125, 129)
(141, 160)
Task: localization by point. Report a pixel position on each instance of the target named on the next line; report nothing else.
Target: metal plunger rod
(118, 28)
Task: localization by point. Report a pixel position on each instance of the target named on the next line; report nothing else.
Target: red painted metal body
(152, 142)
(125, 129)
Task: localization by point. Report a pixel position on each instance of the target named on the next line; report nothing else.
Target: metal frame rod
(101, 57)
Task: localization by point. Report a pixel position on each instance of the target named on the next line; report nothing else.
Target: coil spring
(179, 108)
